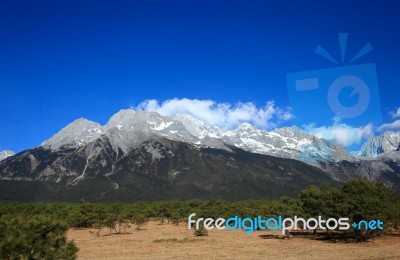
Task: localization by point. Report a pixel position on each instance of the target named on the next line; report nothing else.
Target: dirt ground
(167, 241)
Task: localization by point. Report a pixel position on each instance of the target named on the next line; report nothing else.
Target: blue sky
(61, 60)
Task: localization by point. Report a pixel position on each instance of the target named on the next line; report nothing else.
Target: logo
(348, 92)
(280, 223)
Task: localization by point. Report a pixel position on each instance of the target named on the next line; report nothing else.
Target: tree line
(38, 229)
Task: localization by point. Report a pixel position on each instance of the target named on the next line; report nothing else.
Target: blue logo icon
(348, 92)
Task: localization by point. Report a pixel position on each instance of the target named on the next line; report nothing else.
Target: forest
(38, 230)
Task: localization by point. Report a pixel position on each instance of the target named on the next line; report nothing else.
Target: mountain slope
(158, 168)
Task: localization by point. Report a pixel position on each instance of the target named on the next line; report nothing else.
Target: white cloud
(341, 133)
(396, 114)
(390, 126)
(393, 125)
(225, 115)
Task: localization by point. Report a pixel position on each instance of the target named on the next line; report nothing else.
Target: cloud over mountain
(342, 134)
(224, 115)
(392, 125)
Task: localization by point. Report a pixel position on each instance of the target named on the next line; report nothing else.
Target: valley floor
(168, 241)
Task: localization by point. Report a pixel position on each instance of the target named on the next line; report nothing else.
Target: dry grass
(177, 242)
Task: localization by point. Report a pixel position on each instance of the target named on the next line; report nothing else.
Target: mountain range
(146, 156)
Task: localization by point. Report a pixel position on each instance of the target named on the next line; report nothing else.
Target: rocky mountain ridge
(128, 128)
(139, 153)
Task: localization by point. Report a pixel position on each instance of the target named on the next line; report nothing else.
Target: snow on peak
(128, 119)
(198, 128)
(121, 118)
(79, 132)
(129, 128)
(246, 127)
(6, 153)
(387, 142)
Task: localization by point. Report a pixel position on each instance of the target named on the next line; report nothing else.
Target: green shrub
(201, 231)
(34, 238)
(139, 220)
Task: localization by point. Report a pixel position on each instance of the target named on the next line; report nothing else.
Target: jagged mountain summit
(387, 142)
(129, 128)
(287, 142)
(6, 153)
(77, 133)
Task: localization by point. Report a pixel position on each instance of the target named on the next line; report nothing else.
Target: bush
(34, 238)
(368, 201)
(201, 231)
(358, 199)
(176, 218)
(139, 220)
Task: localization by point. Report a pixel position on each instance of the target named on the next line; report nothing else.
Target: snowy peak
(291, 131)
(128, 119)
(245, 127)
(6, 153)
(245, 130)
(77, 133)
(287, 142)
(121, 119)
(198, 128)
(128, 128)
(387, 142)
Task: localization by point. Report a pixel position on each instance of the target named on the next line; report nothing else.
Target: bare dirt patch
(168, 241)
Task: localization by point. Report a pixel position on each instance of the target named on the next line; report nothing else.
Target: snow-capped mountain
(129, 128)
(6, 153)
(143, 155)
(287, 142)
(387, 142)
(77, 133)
